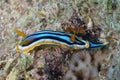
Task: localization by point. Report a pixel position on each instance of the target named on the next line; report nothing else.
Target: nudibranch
(53, 38)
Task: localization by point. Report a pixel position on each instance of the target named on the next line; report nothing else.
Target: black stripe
(52, 32)
(54, 38)
(63, 34)
(79, 41)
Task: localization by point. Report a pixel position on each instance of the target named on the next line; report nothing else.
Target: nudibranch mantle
(53, 38)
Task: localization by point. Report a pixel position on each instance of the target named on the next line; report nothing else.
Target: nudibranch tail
(93, 45)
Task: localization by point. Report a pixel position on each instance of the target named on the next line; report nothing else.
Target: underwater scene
(59, 39)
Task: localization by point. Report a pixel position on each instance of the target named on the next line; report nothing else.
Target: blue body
(49, 37)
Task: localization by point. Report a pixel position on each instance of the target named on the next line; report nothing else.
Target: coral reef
(82, 67)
